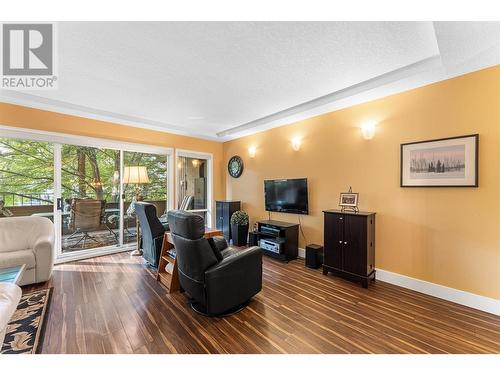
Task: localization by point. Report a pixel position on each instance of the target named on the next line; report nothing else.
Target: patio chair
(86, 215)
(128, 218)
(183, 206)
(186, 203)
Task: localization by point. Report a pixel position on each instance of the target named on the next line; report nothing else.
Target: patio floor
(95, 239)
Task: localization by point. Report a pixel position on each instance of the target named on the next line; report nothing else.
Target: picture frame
(445, 162)
(348, 200)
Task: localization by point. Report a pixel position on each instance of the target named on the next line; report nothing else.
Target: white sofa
(28, 240)
(10, 295)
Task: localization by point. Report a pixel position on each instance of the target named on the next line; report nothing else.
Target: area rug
(26, 327)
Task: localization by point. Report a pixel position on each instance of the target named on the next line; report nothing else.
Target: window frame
(209, 159)
(57, 140)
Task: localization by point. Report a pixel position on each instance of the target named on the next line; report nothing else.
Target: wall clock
(235, 166)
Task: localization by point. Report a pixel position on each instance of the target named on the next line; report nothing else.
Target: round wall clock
(235, 166)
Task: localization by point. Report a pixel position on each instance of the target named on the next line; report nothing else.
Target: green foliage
(26, 168)
(156, 166)
(26, 171)
(239, 218)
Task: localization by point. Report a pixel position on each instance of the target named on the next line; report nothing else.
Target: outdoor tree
(27, 172)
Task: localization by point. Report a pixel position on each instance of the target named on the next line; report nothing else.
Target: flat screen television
(288, 195)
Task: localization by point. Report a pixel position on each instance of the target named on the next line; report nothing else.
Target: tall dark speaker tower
(223, 212)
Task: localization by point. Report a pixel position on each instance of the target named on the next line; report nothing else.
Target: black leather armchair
(219, 279)
(151, 232)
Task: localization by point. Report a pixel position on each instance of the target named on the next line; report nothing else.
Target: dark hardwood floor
(112, 304)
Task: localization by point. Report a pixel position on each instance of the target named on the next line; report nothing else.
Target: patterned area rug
(26, 327)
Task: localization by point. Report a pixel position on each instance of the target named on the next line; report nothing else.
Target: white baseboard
(302, 253)
(475, 301)
(489, 305)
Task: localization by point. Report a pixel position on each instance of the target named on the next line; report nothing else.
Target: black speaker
(314, 256)
(253, 239)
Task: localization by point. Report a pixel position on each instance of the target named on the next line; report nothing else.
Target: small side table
(12, 274)
(171, 279)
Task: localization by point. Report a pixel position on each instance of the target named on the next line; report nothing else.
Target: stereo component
(270, 245)
(272, 231)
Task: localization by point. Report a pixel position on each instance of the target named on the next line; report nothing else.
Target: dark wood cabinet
(349, 240)
(223, 212)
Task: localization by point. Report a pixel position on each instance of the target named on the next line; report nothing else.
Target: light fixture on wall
(251, 151)
(296, 143)
(368, 130)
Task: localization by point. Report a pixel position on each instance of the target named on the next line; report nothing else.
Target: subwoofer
(314, 256)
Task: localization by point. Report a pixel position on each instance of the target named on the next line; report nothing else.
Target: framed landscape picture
(443, 162)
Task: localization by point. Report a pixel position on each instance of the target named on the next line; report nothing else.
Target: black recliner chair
(219, 279)
(152, 231)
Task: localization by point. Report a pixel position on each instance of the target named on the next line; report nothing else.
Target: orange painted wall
(23, 117)
(448, 236)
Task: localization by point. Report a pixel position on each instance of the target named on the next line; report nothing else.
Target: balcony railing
(26, 199)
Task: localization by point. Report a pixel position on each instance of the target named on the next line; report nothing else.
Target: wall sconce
(368, 130)
(296, 143)
(251, 151)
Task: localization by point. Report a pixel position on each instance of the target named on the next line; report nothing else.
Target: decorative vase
(239, 234)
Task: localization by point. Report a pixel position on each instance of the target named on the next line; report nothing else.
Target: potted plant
(239, 228)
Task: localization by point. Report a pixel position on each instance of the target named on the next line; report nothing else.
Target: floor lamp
(136, 175)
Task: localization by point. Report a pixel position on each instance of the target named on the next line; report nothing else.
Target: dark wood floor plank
(409, 315)
(326, 312)
(113, 304)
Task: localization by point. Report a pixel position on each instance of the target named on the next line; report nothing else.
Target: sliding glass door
(194, 183)
(90, 198)
(150, 185)
(79, 184)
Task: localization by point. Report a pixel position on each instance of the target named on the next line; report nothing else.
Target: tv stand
(285, 235)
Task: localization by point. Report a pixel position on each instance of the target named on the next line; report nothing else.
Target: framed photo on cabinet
(447, 162)
(348, 199)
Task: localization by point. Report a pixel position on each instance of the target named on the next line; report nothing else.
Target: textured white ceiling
(204, 78)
